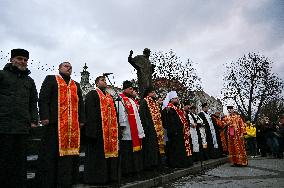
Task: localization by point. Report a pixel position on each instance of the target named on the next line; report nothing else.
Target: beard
(21, 67)
(127, 95)
(175, 103)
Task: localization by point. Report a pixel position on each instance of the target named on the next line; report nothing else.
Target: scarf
(68, 122)
(157, 121)
(186, 132)
(109, 124)
(132, 123)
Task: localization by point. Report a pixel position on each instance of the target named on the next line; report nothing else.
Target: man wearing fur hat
(131, 130)
(18, 113)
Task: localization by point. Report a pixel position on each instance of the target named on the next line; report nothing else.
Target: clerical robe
(153, 142)
(210, 135)
(199, 142)
(220, 133)
(102, 143)
(132, 135)
(178, 144)
(60, 102)
(236, 144)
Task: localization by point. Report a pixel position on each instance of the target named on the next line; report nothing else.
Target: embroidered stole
(157, 121)
(132, 123)
(68, 121)
(186, 133)
(109, 124)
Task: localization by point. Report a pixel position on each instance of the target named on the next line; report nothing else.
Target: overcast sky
(102, 32)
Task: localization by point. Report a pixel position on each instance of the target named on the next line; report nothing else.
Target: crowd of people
(125, 135)
(268, 139)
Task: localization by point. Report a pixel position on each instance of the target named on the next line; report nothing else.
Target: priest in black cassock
(178, 133)
(131, 130)
(194, 131)
(153, 142)
(61, 109)
(102, 136)
(197, 122)
(212, 143)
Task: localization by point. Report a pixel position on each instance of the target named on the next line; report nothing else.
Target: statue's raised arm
(131, 60)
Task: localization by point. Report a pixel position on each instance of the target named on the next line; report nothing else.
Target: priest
(212, 142)
(178, 133)
(61, 109)
(220, 132)
(153, 142)
(131, 130)
(236, 143)
(102, 133)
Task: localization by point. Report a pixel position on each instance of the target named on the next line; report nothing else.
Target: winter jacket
(18, 101)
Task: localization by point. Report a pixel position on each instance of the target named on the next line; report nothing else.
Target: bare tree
(249, 82)
(173, 74)
(272, 109)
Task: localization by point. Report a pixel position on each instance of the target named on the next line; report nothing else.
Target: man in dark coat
(18, 113)
(102, 133)
(153, 142)
(61, 110)
(178, 132)
(211, 137)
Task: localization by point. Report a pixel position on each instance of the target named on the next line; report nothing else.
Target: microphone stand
(119, 131)
(115, 91)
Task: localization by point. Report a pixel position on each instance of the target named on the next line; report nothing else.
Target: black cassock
(217, 130)
(97, 168)
(150, 146)
(175, 148)
(53, 170)
(213, 152)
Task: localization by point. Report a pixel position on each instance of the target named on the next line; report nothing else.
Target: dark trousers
(251, 146)
(273, 145)
(261, 144)
(13, 160)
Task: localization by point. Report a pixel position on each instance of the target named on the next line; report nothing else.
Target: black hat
(127, 84)
(147, 91)
(146, 50)
(230, 107)
(135, 89)
(19, 52)
(188, 102)
(193, 107)
(204, 104)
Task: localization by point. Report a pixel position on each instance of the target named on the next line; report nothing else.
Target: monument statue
(144, 69)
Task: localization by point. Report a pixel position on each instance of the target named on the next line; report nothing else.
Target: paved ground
(261, 172)
(160, 177)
